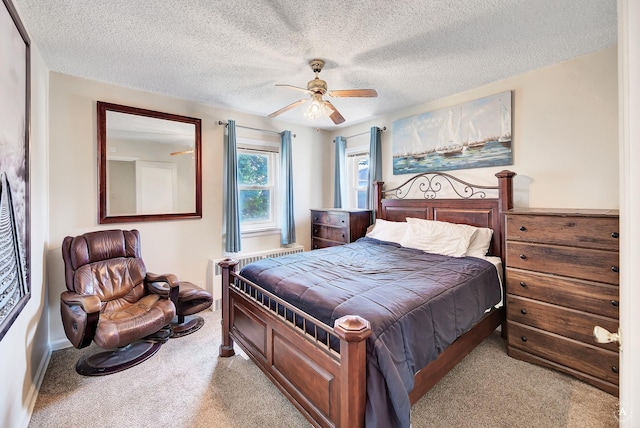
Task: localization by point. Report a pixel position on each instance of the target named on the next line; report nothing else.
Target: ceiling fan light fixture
(316, 88)
(316, 109)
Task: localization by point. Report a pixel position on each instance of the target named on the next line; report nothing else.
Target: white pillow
(390, 231)
(438, 237)
(480, 242)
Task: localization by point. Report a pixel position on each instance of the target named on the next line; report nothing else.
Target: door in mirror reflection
(149, 165)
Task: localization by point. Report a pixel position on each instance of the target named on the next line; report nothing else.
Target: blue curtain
(233, 242)
(340, 174)
(288, 227)
(375, 165)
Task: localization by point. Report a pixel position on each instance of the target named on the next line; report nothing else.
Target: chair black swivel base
(110, 361)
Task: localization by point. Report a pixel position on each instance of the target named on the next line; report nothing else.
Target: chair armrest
(169, 278)
(80, 316)
(89, 304)
(165, 285)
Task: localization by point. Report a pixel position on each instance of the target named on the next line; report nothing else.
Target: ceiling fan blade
(183, 152)
(297, 88)
(289, 107)
(335, 114)
(354, 93)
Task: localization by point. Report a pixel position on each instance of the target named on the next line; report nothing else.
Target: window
(357, 177)
(258, 173)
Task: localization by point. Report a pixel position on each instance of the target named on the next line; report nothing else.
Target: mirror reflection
(150, 165)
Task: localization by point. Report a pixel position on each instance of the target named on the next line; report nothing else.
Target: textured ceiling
(231, 54)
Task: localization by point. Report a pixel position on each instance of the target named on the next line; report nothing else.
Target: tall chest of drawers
(562, 280)
(333, 226)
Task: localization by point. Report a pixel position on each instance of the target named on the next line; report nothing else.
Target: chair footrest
(187, 326)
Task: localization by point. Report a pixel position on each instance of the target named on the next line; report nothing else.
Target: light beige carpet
(187, 385)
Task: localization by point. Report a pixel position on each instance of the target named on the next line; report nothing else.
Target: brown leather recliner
(113, 301)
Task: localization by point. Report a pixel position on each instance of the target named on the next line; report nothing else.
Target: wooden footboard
(326, 386)
(297, 352)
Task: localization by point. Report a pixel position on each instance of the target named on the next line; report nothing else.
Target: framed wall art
(474, 134)
(15, 287)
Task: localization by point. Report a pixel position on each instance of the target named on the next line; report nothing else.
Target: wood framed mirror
(149, 165)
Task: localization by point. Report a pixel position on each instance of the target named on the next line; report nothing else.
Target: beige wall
(182, 247)
(565, 134)
(25, 347)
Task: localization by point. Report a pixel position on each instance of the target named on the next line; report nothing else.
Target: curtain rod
(254, 129)
(384, 128)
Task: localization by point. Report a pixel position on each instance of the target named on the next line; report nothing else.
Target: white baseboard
(32, 395)
(60, 344)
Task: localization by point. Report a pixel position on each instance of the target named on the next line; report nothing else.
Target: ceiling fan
(316, 88)
(182, 152)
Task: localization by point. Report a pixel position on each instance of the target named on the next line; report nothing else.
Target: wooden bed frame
(327, 387)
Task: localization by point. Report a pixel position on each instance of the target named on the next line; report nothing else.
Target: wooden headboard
(469, 206)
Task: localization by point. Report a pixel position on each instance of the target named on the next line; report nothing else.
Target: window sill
(260, 232)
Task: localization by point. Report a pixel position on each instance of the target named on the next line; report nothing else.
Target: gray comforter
(417, 304)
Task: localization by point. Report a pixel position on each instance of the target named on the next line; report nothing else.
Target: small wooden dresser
(562, 281)
(334, 226)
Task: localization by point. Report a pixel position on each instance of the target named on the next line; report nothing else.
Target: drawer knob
(315, 230)
(523, 284)
(614, 303)
(614, 268)
(343, 235)
(614, 369)
(524, 338)
(615, 235)
(523, 311)
(522, 228)
(523, 257)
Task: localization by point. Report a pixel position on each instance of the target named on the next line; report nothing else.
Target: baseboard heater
(243, 259)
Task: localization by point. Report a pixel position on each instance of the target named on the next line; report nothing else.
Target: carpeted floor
(186, 385)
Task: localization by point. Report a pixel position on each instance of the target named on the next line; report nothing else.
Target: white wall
(565, 134)
(182, 247)
(25, 349)
(629, 74)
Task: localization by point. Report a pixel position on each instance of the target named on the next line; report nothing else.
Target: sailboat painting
(474, 134)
